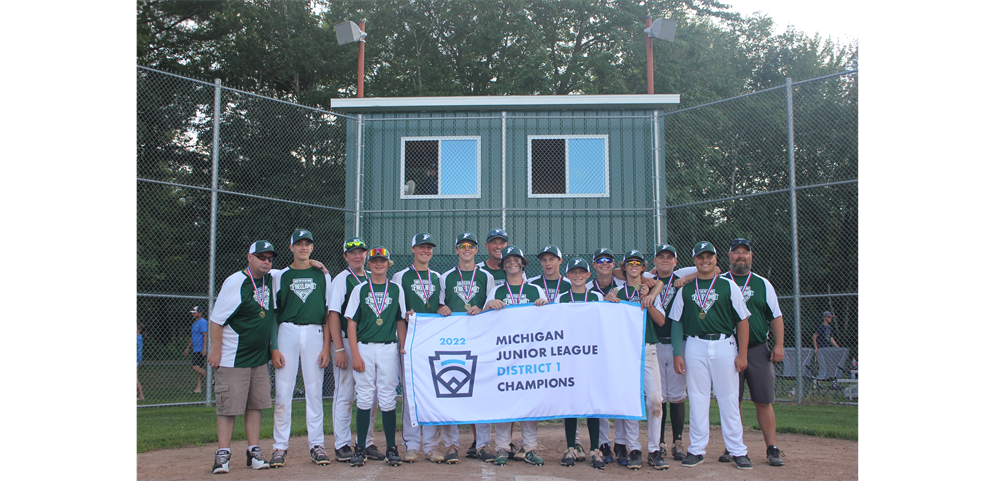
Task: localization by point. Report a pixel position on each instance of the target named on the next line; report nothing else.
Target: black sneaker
(597, 459)
(278, 458)
(691, 460)
(742, 462)
(357, 459)
(221, 461)
(472, 452)
(774, 456)
(486, 455)
(635, 459)
(393, 457)
(621, 454)
(343, 454)
(726, 457)
(254, 459)
(318, 456)
(373, 453)
(606, 453)
(569, 457)
(656, 460)
(678, 450)
(452, 455)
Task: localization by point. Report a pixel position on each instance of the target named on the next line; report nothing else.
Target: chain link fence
(220, 168)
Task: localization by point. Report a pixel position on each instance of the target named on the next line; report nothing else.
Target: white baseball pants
(345, 394)
(530, 435)
(673, 386)
(300, 345)
(708, 363)
(654, 405)
(379, 381)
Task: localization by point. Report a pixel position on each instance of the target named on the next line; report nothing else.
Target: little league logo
(453, 373)
(712, 297)
(303, 287)
(460, 290)
(371, 302)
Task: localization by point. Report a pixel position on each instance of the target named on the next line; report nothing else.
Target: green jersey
(459, 288)
(302, 295)
(499, 276)
(551, 289)
(524, 293)
(421, 289)
(663, 302)
(342, 286)
(245, 311)
(587, 296)
(761, 300)
(364, 302)
(723, 307)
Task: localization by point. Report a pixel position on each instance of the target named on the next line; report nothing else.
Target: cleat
(254, 459)
(533, 458)
(343, 454)
(726, 457)
(358, 459)
(742, 462)
(569, 457)
(657, 460)
(278, 458)
(373, 453)
(519, 454)
(774, 456)
(635, 459)
(485, 454)
(581, 457)
(606, 453)
(410, 456)
(692, 460)
(678, 450)
(597, 460)
(221, 461)
(502, 457)
(621, 454)
(472, 452)
(318, 456)
(435, 456)
(392, 457)
(452, 455)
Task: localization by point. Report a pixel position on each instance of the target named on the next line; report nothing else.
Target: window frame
(566, 163)
(438, 160)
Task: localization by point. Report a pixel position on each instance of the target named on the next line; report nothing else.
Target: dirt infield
(806, 457)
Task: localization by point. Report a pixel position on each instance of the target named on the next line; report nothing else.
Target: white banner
(525, 363)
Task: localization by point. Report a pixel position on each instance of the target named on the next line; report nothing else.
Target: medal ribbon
(469, 288)
(358, 282)
(743, 290)
(599, 287)
(255, 290)
(663, 295)
(572, 295)
(546, 288)
(379, 307)
(702, 300)
(635, 291)
(520, 291)
(424, 292)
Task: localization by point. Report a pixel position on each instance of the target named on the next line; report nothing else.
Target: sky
(830, 18)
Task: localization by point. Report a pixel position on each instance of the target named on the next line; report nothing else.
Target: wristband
(340, 350)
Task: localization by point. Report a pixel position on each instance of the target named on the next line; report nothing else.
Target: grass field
(174, 427)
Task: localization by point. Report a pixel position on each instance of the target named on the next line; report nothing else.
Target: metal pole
(213, 247)
(359, 171)
(362, 57)
(649, 57)
(504, 150)
(794, 242)
(656, 174)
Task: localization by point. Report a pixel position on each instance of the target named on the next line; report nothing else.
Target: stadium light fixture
(349, 32)
(662, 29)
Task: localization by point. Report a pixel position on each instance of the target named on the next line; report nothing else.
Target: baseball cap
(300, 234)
(466, 237)
(578, 263)
(422, 238)
(551, 249)
(261, 246)
(513, 251)
(353, 244)
(497, 234)
(196, 309)
(703, 246)
(379, 251)
(634, 254)
(740, 242)
(666, 247)
(602, 252)
(827, 314)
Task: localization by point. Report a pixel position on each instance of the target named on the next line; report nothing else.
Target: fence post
(658, 193)
(359, 168)
(504, 150)
(794, 242)
(212, 262)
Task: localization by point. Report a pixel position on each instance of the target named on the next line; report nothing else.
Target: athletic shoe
(580, 453)
(774, 456)
(621, 454)
(254, 459)
(606, 453)
(472, 452)
(343, 454)
(657, 460)
(373, 453)
(692, 460)
(635, 459)
(597, 460)
(221, 460)
(742, 462)
(358, 459)
(410, 456)
(678, 450)
(318, 456)
(726, 457)
(452, 455)
(502, 457)
(663, 444)
(278, 458)
(485, 454)
(533, 458)
(569, 457)
(519, 453)
(393, 459)
(435, 456)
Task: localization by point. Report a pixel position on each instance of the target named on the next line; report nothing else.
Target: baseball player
(355, 273)
(198, 343)
(709, 309)
(765, 318)
(240, 348)
(497, 240)
(464, 288)
(375, 312)
(604, 284)
(515, 291)
(421, 289)
(578, 270)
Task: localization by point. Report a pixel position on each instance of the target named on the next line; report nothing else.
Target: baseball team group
(706, 331)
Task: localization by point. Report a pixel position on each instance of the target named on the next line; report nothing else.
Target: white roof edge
(644, 101)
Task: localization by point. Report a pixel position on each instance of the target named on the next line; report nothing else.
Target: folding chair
(832, 366)
(789, 364)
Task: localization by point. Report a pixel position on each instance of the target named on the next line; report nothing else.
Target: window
(568, 166)
(440, 167)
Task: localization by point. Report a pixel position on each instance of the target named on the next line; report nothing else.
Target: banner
(524, 363)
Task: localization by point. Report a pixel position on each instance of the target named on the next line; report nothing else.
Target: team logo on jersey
(419, 289)
(461, 287)
(712, 297)
(747, 293)
(303, 287)
(509, 300)
(669, 297)
(371, 302)
(453, 373)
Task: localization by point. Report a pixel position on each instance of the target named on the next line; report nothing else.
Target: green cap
(740, 242)
(300, 234)
(634, 254)
(551, 249)
(703, 246)
(602, 252)
(379, 251)
(466, 237)
(422, 238)
(513, 251)
(666, 247)
(498, 233)
(261, 246)
(578, 263)
(353, 244)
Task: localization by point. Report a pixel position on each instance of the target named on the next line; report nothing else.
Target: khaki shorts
(237, 389)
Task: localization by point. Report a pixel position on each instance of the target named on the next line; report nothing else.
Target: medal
(425, 292)
(379, 321)
(262, 313)
(256, 294)
(467, 306)
(702, 300)
(467, 289)
(635, 292)
(378, 307)
(701, 315)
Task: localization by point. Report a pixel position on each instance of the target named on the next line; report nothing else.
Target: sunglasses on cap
(351, 244)
(466, 246)
(380, 251)
(634, 262)
(264, 258)
(604, 260)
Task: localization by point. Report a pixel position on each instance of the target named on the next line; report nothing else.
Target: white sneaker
(221, 460)
(254, 459)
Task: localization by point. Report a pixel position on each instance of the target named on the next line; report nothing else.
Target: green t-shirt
(587, 296)
(363, 303)
(342, 286)
(516, 295)
(551, 287)
(245, 339)
(499, 276)
(471, 288)
(761, 300)
(302, 295)
(724, 307)
(413, 286)
(663, 302)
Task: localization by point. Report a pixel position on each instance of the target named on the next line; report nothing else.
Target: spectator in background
(198, 342)
(430, 184)
(823, 336)
(141, 397)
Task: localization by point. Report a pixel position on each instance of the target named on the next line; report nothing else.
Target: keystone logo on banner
(452, 373)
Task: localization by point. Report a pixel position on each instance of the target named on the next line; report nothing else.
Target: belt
(303, 323)
(755, 344)
(391, 342)
(664, 340)
(711, 337)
